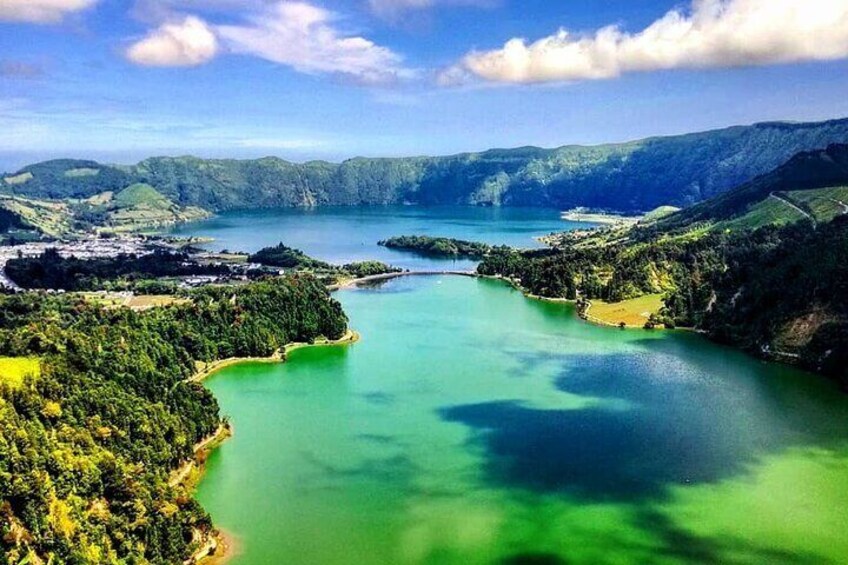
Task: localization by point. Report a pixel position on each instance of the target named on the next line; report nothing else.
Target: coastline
(218, 546)
(599, 218)
(278, 356)
(582, 313)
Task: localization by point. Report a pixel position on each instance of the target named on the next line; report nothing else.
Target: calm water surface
(472, 425)
(344, 234)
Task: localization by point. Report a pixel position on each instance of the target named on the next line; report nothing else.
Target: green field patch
(82, 172)
(770, 211)
(141, 195)
(18, 179)
(14, 369)
(634, 312)
(824, 203)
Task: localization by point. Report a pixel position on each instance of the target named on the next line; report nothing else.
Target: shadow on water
(680, 544)
(680, 423)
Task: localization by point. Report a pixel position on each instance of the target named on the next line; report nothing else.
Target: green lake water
(473, 425)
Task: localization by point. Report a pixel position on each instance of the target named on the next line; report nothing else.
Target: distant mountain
(636, 176)
(811, 185)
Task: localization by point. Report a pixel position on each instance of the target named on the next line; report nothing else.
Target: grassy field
(145, 301)
(767, 212)
(824, 203)
(634, 313)
(19, 179)
(134, 302)
(52, 218)
(14, 369)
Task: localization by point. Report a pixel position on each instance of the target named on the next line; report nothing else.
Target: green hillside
(763, 266)
(636, 176)
(140, 195)
(810, 186)
(139, 206)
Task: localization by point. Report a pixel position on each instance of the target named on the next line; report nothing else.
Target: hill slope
(763, 267)
(811, 185)
(636, 176)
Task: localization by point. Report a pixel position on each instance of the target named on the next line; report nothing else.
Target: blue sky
(119, 80)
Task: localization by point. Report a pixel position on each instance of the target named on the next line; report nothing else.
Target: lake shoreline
(583, 313)
(602, 218)
(218, 546)
(278, 356)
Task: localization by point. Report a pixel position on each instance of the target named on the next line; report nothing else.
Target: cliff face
(636, 176)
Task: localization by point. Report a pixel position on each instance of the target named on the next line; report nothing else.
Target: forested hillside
(636, 176)
(763, 266)
(87, 442)
(814, 182)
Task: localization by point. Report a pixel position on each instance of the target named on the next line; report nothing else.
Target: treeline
(87, 446)
(285, 257)
(778, 292)
(52, 271)
(438, 246)
(368, 269)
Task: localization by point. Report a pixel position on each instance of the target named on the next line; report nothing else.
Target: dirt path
(178, 476)
(841, 203)
(792, 205)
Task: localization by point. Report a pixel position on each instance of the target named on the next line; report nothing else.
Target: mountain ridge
(630, 176)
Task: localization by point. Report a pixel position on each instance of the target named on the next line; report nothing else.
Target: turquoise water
(473, 425)
(344, 234)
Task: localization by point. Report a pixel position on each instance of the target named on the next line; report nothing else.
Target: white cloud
(713, 33)
(184, 43)
(41, 11)
(304, 37)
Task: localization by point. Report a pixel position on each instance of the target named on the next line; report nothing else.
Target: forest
(87, 444)
(438, 246)
(286, 257)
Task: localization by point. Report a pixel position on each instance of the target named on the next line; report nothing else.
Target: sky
(121, 80)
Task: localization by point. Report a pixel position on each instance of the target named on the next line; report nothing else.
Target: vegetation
(763, 266)
(86, 447)
(136, 207)
(54, 219)
(634, 313)
(809, 181)
(13, 370)
(286, 258)
(630, 177)
(52, 271)
(438, 246)
(368, 269)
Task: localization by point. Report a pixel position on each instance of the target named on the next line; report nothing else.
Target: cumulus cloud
(712, 33)
(41, 11)
(184, 43)
(305, 37)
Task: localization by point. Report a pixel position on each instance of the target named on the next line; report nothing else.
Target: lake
(344, 234)
(474, 425)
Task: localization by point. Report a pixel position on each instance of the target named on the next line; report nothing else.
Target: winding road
(792, 205)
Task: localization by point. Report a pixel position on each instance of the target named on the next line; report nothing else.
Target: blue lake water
(345, 234)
